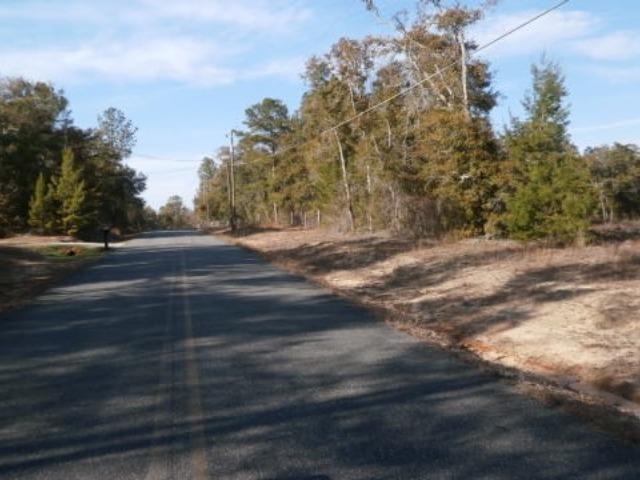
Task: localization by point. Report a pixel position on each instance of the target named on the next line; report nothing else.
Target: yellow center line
(196, 417)
(157, 468)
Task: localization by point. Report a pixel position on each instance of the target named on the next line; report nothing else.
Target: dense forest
(56, 178)
(394, 133)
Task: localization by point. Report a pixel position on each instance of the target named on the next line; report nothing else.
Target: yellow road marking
(158, 468)
(196, 417)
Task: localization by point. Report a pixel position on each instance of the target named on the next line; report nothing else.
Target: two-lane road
(180, 357)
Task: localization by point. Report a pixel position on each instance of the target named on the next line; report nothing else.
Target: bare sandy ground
(571, 315)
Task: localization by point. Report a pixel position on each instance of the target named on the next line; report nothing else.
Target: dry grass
(30, 264)
(571, 315)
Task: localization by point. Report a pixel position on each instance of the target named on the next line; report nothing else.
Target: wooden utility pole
(228, 166)
(273, 180)
(232, 184)
(206, 201)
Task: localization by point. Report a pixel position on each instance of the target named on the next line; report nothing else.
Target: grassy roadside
(30, 269)
(67, 254)
(563, 323)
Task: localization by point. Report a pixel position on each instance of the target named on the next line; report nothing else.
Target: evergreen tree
(267, 122)
(38, 206)
(32, 118)
(35, 126)
(52, 218)
(456, 165)
(71, 195)
(552, 197)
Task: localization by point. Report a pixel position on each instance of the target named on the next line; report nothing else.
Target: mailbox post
(105, 236)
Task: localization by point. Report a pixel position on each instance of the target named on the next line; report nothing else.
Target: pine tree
(38, 206)
(267, 122)
(552, 197)
(52, 206)
(33, 116)
(71, 194)
(42, 207)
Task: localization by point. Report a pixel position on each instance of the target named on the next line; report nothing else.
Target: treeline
(56, 178)
(173, 215)
(394, 133)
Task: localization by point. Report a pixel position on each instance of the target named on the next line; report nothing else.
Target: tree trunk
(369, 200)
(345, 182)
(395, 209)
(463, 73)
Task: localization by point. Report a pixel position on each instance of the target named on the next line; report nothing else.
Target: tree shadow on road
(292, 383)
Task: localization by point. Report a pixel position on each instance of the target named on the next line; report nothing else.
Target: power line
(522, 25)
(232, 183)
(447, 67)
(410, 88)
(177, 170)
(160, 159)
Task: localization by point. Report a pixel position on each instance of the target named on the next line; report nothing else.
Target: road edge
(606, 412)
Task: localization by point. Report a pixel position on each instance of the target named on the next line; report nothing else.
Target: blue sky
(184, 71)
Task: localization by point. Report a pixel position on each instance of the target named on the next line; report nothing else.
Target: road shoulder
(32, 266)
(323, 259)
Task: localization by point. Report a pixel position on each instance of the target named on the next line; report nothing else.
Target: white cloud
(181, 60)
(273, 16)
(631, 122)
(156, 49)
(287, 68)
(544, 34)
(187, 60)
(73, 11)
(617, 75)
(623, 45)
(175, 59)
(263, 15)
(195, 42)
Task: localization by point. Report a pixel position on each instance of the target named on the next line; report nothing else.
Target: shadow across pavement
(178, 343)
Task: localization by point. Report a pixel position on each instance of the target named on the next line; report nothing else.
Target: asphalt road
(180, 357)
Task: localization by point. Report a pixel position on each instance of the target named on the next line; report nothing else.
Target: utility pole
(232, 183)
(228, 165)
(206, 200)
